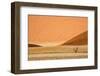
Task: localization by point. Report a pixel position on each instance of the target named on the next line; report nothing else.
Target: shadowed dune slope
(81, 39)
(33, 45)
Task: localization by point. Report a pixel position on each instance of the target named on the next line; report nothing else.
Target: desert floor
(57, 52)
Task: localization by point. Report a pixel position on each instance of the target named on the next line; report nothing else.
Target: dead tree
(75, 49)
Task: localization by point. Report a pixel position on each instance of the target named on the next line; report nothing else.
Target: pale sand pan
(57, 52)
(57, 56)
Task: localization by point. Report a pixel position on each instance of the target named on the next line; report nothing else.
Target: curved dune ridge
(45, 44)
(80, 39)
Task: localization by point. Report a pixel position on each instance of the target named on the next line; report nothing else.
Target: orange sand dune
(54, 30)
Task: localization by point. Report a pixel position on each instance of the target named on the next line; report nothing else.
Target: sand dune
(81, 39)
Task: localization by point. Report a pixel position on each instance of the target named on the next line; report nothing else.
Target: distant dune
(81, 39)
(33, 45)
